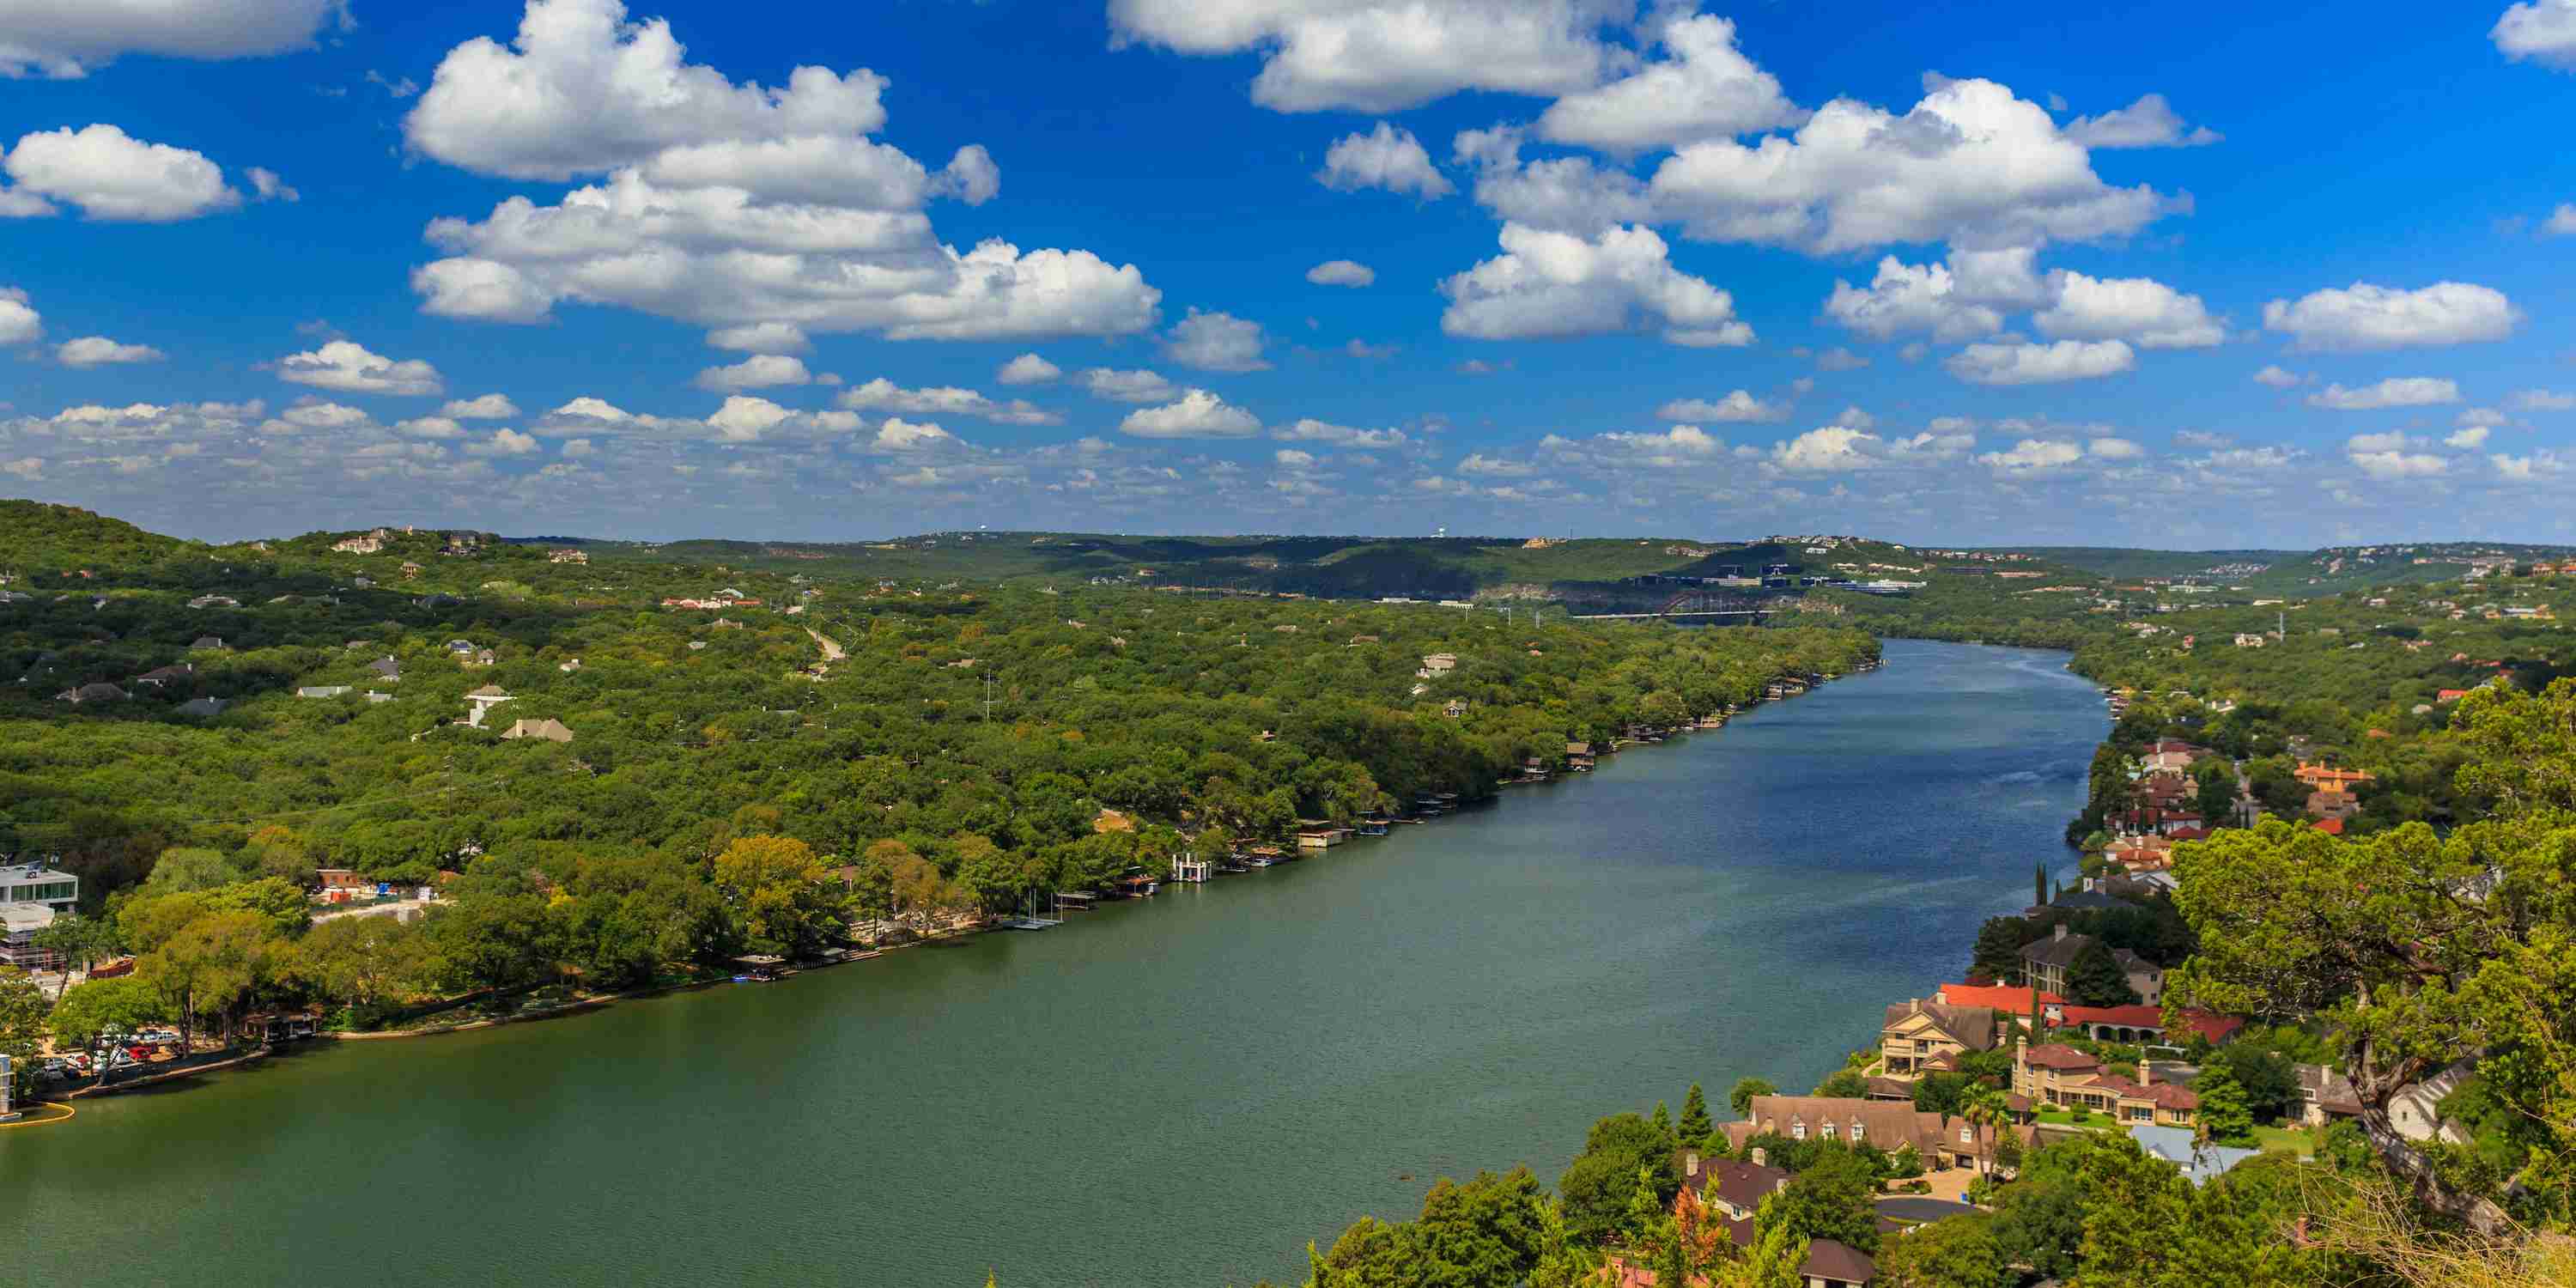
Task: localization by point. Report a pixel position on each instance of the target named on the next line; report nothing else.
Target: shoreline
(582, 1005)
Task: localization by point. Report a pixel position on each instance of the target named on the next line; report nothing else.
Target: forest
(808, 763)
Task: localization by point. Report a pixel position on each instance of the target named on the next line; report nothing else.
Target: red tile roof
(2061, 1058)
(2133, 1017)
(2330, 826)
(2013, 1001)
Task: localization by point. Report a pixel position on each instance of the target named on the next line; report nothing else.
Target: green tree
(1740, 1098)
(2224, 1116)
(1488, 1233)
(1601, 1183)
(104, 1008)
(1959, 1252)
(2216, 780)
(2039, 1222)
(1844, 1084)
(775, 890)
(24, 1018)
(1997, 955)
(211, 966)
(1695, 1125)
(81, 942)
(2094, 978)
(1941, 1093)
(1772, 1262)
(179, 871)
(1830, 1199)
(2268, 1079)
(363, 961)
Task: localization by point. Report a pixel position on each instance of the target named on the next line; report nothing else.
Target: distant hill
(36, 537)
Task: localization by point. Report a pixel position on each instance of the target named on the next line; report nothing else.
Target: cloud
(1479, 463)
(1385, 55)
(1291, 458)
(761, 337)
(1128, 386)
(66, 39)
(487, 407)
(348, 367)
(2029, 364)
(2526, 469)
(266, 186)
(1316, 431)
(1839, 358)
(759, 371)
(1551, 284)
(2412, 391)
(2113, 449)
(19, 321)
(1386, 157)
(2391, 464)
(2543, 31)
(2142, 311)
(1704, 89)
(99, 351)
(430, 427)
(2032, 456)
(2275, 377)
(324, 415)
(2473, 436)
(899, 435)
(1215, 342)
(1198, 414)
(2543, 400)
(1908, 300)
(2561, 222)
(1028, 369)
(2148, 123)
(1341, 272)
(1736, 407)
(504, 442)
(724, 205)
(1678, 442)
(882, 394)
(1970, 164)
(744, 418)
(113, 176)
(1830, 449)
(2366, 317)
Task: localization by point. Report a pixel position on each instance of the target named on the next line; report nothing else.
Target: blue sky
(2195, 275)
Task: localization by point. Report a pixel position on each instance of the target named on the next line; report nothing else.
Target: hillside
(34, 535)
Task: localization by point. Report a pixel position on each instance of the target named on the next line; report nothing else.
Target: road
(404, 908)
(831, 652)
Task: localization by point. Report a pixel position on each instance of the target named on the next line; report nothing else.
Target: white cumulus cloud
(65, 39)
(761, 337)
(1704, 88)
(1028, 369)
(2148, 123)
(2543, 31)
(1736, 407)
(1386, 157)
(1384, 55)
(1316, 431)
(2032, 456)
(1198, 414)
(882, 394)
(1905, 299)
(2276, 378)
(2397, 391)
(1341, 272)
(759, 371)
(2365, 317)
(1128, 386)
(2029, 364)
(1215, 342)
(348, 367)
(487, 407)
(1550, 284)
(99, 351)
(112, 175)
(2142, 311)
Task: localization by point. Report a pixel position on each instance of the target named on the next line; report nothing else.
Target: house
(2198, 1162)
(2325, 1095)
(1831, 1264)
(1919, 1037)
(567, 557)
(483, 700)
(214, 601)
(2063, 1077)
(207, 642)
(386, 669)
(1578, 756)
(2045, 961)
(366, 545)
(92, 693)
(375, 698)
(19, 923)
(35, 883)
(1733, 1188)
(1940, 1140)
(1437, 664)
(550, 729)
(162, 676)
(203, 707)
(461, 648)
(322, 691)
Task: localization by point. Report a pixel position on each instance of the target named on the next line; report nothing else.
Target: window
(1829, 1131)
(1856, 1131)
(1797, 1131)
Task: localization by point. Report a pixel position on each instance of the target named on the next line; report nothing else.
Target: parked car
(158, 1036)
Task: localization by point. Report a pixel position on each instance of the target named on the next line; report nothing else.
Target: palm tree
(1984, 1106)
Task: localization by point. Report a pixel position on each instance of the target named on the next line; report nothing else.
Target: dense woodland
(731, 787)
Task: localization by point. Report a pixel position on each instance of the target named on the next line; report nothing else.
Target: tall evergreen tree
(2095, 978)
(1695, 1126)
(2225, 1118)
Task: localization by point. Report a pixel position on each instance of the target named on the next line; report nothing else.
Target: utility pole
(988, 699)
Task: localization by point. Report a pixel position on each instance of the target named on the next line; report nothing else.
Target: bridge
(1697, 604)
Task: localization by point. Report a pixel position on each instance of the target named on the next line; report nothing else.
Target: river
(1169, 1093)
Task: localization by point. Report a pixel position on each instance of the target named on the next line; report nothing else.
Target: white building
(34, 883)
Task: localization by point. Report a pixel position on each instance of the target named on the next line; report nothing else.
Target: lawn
(2062, 1118)
(2285, 1140)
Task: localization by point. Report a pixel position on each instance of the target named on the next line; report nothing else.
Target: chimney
(2146, 1073)
(1690, 1164)
(1761, 1157)
(2061, 931)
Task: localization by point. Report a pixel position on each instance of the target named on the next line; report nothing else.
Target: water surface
(1174, 1092)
